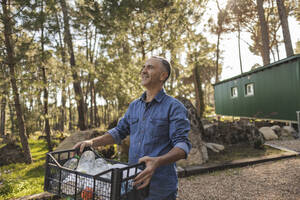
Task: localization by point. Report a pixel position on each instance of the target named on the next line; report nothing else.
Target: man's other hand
(144, 178)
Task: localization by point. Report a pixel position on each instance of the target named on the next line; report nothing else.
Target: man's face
(152, 73)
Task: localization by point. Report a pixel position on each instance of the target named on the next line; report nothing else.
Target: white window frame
(249, 89)
(234, 92)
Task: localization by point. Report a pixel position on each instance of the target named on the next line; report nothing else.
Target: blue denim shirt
(154, 129)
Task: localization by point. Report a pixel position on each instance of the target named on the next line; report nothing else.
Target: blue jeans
(172, 196)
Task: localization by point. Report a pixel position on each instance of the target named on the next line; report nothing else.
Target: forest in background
(74, 65)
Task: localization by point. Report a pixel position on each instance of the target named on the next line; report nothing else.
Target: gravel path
(278, 180)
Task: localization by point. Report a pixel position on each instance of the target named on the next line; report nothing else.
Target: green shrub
(5, 188)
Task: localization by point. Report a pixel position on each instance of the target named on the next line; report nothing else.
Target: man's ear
(163, 76)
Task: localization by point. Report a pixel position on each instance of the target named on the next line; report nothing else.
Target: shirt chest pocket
(159, 128)
(133, 125)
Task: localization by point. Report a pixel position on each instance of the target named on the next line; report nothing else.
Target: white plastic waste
(85, 165)
(100, 166)
(88, 165)
(70, 164)
(86, 162)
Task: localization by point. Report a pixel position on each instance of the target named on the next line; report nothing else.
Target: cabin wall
(276, 93)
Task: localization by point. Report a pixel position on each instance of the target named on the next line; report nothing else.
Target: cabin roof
(274, 64)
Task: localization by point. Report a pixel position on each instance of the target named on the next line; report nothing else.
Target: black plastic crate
(70, 183)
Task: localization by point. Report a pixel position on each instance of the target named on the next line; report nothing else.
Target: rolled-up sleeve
(179, 127)
(122, 129)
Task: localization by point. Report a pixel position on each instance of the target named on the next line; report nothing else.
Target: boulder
(288, 131)
(277, 130)
(215, 147)
(228, 133)
(207, 126)
(195, 157)
(78, 136)
(11, 153)
(255, 138)
(268, 133)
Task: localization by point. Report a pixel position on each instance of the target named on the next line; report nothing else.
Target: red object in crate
(87, 193)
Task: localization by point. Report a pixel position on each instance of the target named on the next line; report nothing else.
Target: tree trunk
(239, 44)
(264, 33)
(198, 154)
(76, 80)
(40, 107)
(105, 113)
(91, 103)
(11, 64)
(2, 116)
(86, 103)
(45, 84)
(198, 91)
(70, 111)
(285, 28)
(277, 51)
(63, 95)
(11, 116)
(63, 107)
(273, 55)
(217, 59)
(96, 116)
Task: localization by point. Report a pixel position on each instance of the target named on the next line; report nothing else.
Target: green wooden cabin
(270, 92)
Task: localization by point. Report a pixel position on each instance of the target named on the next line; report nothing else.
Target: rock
(288, 131)
(207, 126)
(11, 153)
(275, 127)
(227, 133)
(195, 134)
(215, 147)
(255, 138)
(194, 158)
(277, 130)
(268, 133)
(75, 137)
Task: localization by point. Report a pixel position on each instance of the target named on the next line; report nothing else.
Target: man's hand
(144, 178)
(81, 145)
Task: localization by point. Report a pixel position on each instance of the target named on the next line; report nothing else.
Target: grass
(21, 179)
(240, 151)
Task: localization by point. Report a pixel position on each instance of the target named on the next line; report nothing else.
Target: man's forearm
(103, 140)
(172, 156)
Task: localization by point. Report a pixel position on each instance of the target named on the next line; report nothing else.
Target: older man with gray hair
(158, 127)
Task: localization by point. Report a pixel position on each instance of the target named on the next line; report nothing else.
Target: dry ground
(278, 180)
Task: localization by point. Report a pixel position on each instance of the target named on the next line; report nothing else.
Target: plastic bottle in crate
(70, 164)
(85, 165)
(86, 162)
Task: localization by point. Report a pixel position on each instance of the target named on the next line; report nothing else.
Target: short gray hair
(166, 64)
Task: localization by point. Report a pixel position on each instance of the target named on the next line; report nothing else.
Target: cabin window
(249, 89)
(234, 92)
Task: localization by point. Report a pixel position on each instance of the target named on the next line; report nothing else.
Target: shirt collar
(158, 97)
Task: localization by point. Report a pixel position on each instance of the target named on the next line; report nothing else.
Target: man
(158, 127)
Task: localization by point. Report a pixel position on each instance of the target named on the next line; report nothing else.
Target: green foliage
(21, 179)
(243, 16)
